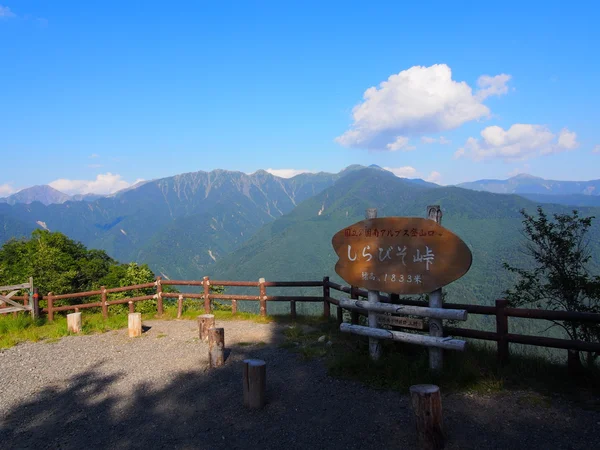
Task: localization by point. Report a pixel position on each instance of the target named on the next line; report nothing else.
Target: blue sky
(96, 95)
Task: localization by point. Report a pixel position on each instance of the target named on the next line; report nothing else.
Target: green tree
(558, 278)
(56, 263)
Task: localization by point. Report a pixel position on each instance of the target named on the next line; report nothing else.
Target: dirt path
(109, 391)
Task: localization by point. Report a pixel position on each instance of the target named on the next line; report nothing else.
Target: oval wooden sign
(402, 255)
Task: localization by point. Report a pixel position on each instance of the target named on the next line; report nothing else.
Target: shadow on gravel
(307, 409)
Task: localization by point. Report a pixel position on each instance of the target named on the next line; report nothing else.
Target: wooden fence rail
(500, 311)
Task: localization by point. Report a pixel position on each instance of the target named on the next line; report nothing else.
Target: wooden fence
(501, 311)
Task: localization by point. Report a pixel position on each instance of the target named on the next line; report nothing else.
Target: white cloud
(520, 141)
(411, 172)
(430, 140)
(596, 149)
(403, 172)
(567, 139)
(401, 143)
(489, 86)
(6, 189)
(6, 12)
(94, 155)
(416, 101)
(287, 173)
(434, 177)
(107, 183)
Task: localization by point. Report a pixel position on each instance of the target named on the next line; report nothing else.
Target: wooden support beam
(205, 322)
(134, 324)
(427, 407)
(436, 356)
(438, 313)
(255, 375)
(216, 346)
(418, 339)
(74, 322)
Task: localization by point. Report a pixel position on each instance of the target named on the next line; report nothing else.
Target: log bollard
(74, 322)
(255, 375)
(205, 322)
(135, 324)
(427, 407)
(179, 306)
(216, 346)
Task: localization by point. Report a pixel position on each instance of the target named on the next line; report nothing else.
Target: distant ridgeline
(234, 226)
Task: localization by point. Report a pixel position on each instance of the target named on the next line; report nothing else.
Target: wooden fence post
(326, 295)
(502, 331)
(36, 303)
(50, 307)
(436, 355)
(233, 307)
(159, 301)
(373, 297)
(353, 313)
(206, 285)
(131, 307)
(263, 297)
(104, 304)
(293, 309)
(340, 315)
(216, 346)
(427, 407)
(255, 376)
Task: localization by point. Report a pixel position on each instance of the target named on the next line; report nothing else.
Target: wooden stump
(179, 306)
(74, 322)
(255, 376)
(427, 407)
(135, 324)
(205, 322)
(216, 346)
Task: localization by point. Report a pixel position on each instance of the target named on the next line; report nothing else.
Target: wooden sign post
(436, 356)
(401, 255)
(373, 297)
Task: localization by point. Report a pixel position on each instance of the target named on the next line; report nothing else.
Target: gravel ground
(109, 391)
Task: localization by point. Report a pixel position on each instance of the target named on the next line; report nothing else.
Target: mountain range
(231, 225)
(576, 193)
(46, 195)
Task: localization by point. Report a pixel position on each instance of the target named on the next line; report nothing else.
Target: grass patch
(23, 328)
(403, 365)
(170, 313)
